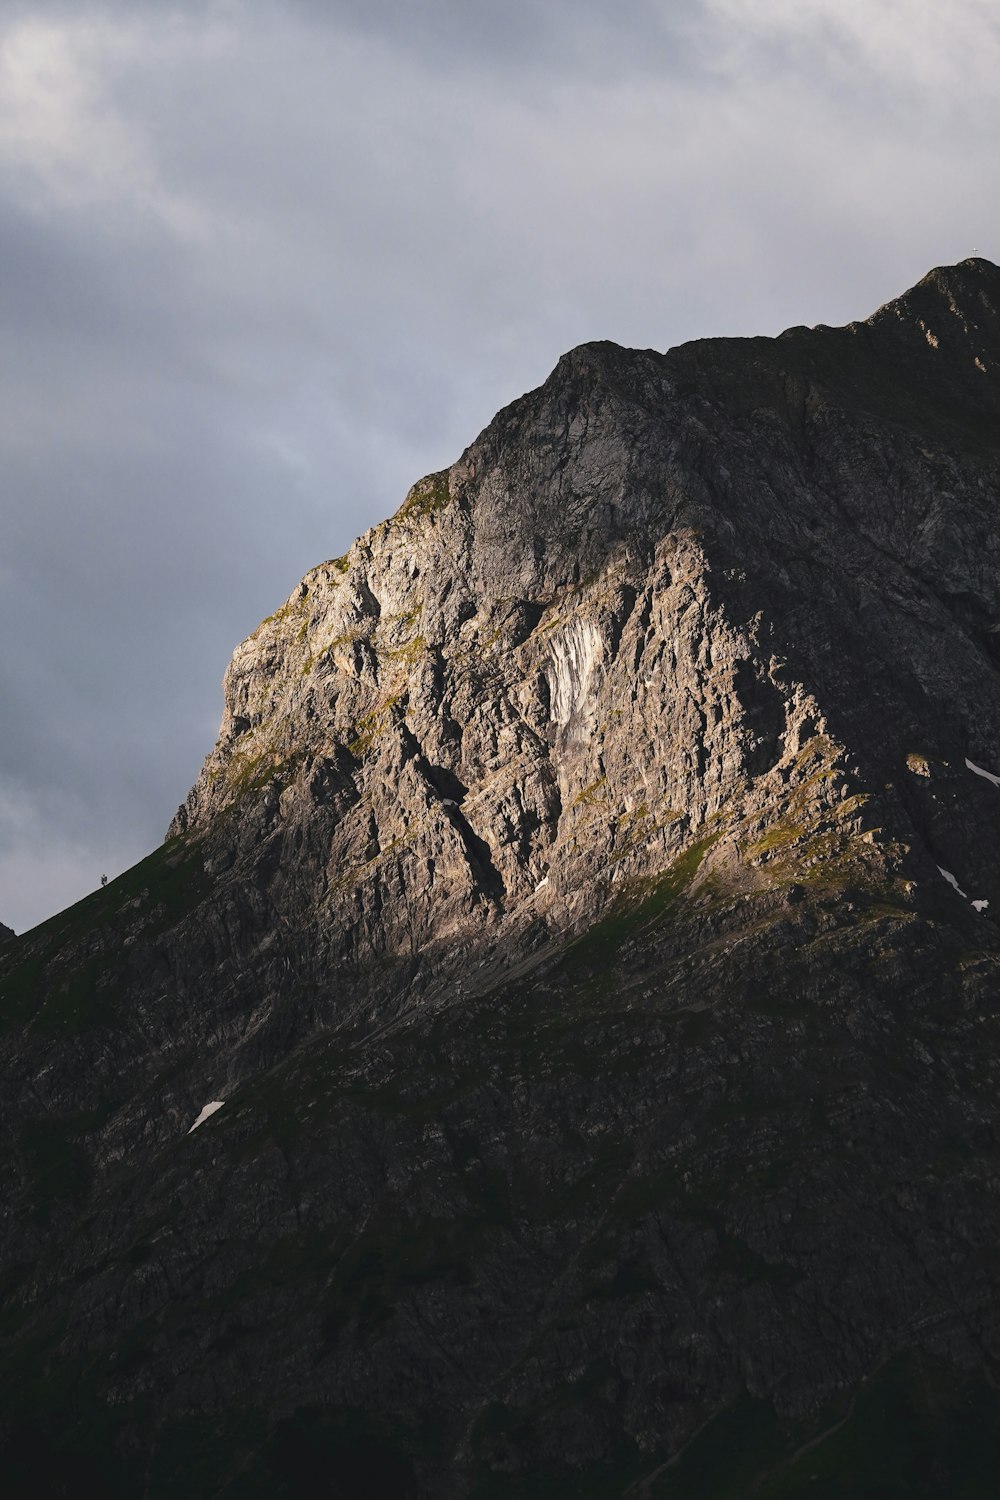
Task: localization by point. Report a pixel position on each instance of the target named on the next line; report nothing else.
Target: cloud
(266, 263)
(916, 48)
(60, 134)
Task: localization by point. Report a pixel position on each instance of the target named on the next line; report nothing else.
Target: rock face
(6, 933)
(578, 959)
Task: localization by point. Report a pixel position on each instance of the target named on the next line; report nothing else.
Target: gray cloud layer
(265, 264)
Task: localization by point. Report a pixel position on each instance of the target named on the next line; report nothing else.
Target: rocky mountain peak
(559, 1034)
(606, 630)
(965, 292)
(955, 312)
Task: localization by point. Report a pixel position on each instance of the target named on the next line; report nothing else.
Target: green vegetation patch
(57, 1168)
(591, 794)
(408, 654)
(778, 836)
(87, 996)
(371, 725)
(427, 496)
(69, 973)
(247, 772)
(279, 614)
(641, 907)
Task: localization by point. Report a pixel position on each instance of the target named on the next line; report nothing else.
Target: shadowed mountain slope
(586, 921)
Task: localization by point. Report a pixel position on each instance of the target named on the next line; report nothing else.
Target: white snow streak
(980, 772)
(980, 905)
(209, 1109)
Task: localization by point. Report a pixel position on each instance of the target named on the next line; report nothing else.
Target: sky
(264, 263)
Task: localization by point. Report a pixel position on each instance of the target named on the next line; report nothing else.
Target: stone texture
(609, 1070)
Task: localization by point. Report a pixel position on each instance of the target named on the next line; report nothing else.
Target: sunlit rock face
(563, 1019)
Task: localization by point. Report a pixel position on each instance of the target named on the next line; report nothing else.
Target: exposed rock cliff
(585, 923)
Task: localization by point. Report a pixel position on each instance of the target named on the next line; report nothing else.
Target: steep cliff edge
(586, 919)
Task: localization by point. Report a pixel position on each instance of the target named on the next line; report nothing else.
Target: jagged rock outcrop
(586, 921)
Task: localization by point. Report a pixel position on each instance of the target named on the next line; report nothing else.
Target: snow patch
(980, 905)
(980, 772)
(541, 885)
(209, 1109)
(575, 655)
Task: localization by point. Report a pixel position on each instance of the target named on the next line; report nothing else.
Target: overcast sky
(263, 263)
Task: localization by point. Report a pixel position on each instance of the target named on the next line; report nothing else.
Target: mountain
(578, 958)
(5, 933)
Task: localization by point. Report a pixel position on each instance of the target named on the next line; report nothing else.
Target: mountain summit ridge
(586, 920)
(974, 282)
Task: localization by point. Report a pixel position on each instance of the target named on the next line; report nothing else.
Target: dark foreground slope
(609, 1070)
